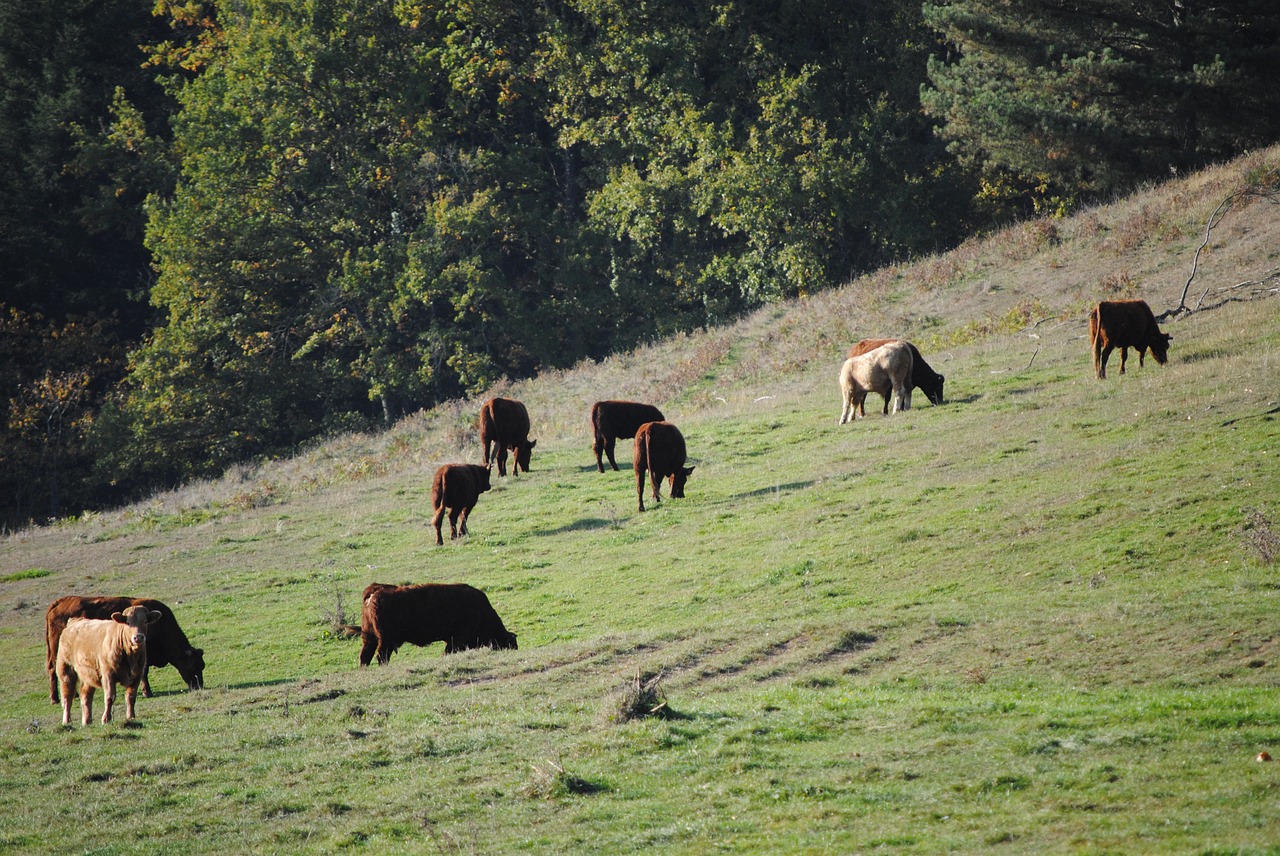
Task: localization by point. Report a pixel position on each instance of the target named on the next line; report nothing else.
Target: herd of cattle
(105, 642)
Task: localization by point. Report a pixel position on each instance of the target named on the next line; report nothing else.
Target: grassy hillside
(1036, 618)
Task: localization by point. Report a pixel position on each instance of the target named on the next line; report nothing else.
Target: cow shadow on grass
(774, 490)
(585, 524)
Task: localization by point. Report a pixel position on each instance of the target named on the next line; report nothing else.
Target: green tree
(1085, 98)
(748, 151)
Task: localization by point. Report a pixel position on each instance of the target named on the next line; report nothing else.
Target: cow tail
(1095, 333)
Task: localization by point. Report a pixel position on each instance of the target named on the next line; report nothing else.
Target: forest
(230, 229)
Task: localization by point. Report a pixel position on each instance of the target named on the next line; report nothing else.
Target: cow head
(505, 640)
(678, 478)
(933, 391)
(482, 477)
(524, 451)
(190, 664)
(1159, 344)
(139, 618)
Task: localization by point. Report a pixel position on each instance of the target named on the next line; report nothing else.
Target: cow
(923, 377)
(456, 487)
(660, 452)
(456, 614)
(1125, 324)
(504, 423)
(95, 652)
(618, 420)
(885, 370)
(166, 643)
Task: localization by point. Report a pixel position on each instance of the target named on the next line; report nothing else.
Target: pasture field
(1041, 617)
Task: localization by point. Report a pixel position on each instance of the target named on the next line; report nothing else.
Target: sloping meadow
(1035, 618)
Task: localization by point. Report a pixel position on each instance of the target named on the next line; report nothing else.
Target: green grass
(1028, 620)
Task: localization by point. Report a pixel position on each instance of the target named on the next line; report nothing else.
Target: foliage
(1079, 100)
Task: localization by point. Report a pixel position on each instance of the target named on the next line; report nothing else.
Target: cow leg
(130, 697)
(453, 523)
(597, 447)
(608, 450)
(437, 520)
(384, 652)
(640, 487)
(487, 445)
(108, 700)
(146, 684)
(655, 479)
(68, 687)
(86, 704)
(501, 452)
(1104, 355)
(53, 684)
(369, 644)
(462, 519)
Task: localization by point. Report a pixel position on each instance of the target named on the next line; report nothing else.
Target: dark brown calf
(456, 487)
(504, 422)
(659, 451)
(166, 643)
(1125, 324)
(615, 420)
(456, 614)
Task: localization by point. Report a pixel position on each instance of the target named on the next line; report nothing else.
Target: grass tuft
(641, 697)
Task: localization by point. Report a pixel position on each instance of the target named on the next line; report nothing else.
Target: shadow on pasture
(968, 399)
(251, 685)
(584, 524)
(776, 489)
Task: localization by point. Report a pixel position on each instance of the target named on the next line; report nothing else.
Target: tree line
(229, 228)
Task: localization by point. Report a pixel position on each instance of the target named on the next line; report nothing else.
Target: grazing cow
(885, 370)
(95, 653)
(456, 487)
(1125, 324)
(504, 422)
(166, 643)
(617, 420)
(456, 614)
(660, 452)
(923, 377)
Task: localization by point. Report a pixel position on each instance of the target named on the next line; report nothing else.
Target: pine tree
(1087, 97)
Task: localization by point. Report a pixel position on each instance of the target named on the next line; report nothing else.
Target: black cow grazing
(1125, 324)
(660, 452)
(615, 420)
(504, 422)
(923, 377)
(456, 487)
(166, 643)
(456, 614)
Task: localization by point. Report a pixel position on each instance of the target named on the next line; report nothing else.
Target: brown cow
(659, 451)
(923, 377)
(166, 643)
(885, 370)
(456, 614)
(504, 422)
(1125, 324)
(102, 653)
(617, 420)
(456, 487)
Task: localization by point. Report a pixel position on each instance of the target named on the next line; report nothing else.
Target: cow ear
(532, 443)
(154, 616)
(119, 617)
(1168, 337)
(688, 470)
